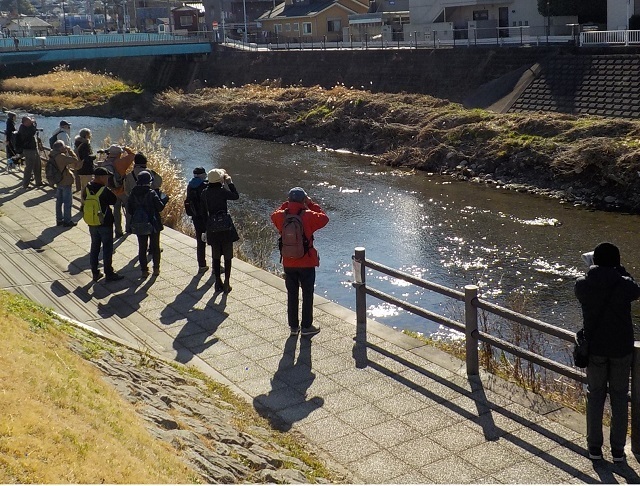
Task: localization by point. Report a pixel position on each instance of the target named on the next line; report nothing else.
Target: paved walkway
(390, 410)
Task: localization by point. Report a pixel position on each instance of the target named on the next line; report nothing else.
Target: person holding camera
(28, 142)
(605, 294)
(221, 232)
(66, 160)
(297, 219)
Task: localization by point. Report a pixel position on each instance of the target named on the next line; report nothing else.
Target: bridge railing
(99, 40)
(472, 303)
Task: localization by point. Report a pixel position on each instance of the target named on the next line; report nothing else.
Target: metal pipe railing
(473, 335)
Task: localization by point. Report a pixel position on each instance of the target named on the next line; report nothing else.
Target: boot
(216, 271)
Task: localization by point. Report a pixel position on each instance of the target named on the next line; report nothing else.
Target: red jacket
(313, 219)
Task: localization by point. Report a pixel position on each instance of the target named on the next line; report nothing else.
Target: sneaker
(618, 456)
(145, 272)
(203, 269)
(69, 224)
(595, 453)
(310, 331)
(218, 287)
(156, 272)
(118, 234)
(59, 223)
(113, 277)
(295, 331)
(97, 276)
(226, 288)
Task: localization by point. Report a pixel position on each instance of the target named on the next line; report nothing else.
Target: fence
(473, 335)
(610, 37)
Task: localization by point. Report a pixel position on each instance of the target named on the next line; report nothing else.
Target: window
(526, 22)
(306, 28)
(296, 27)
(287, 27)
(515, 23)
(480, 15)
(186, 20)
(333, 26)
(277, 28)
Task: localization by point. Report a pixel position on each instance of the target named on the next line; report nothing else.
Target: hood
(196, 182)
(78, 140)
(603, 277)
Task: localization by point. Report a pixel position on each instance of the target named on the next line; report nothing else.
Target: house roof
(290, 11)
(31, 21)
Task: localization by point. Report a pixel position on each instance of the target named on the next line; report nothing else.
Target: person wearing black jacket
(214, 199)
(84, 151)
(27, 140)
(10, 128)
(144, 196)
(198, 214)
(102, 235)
(605, 294)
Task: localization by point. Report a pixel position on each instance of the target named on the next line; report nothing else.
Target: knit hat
(100, 171)
(199, 170)
(606, 255)
(215, 175)
(114, 150)
(144, 178)
(297, 194)
(139, 159)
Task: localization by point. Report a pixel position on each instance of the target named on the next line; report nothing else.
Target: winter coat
(131, 179)
(107, 199)
(313, 218)
(27, 137)
(147, 196)
(118, 166)
(199, 216)
(85, 154)
(605, 294)
(65, 161)
(214, 199)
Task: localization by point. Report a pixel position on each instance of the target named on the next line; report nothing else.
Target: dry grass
(60, 89)
(60, 422)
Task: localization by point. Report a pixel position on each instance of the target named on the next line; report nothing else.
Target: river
(452, 233)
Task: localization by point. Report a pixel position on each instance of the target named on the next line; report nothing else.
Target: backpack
(293, 243)
(192, 202)
(140, 219)
(92, 212)
(52, 172)
(53, 139)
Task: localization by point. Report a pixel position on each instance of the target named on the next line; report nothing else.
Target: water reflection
(447, 232)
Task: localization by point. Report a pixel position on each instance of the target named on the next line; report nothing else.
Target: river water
(452, 233)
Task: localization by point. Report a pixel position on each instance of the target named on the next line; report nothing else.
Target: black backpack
(52, 172)
(141, 219)
(192, 204)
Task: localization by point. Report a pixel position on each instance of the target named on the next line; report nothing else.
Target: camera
(40, 129)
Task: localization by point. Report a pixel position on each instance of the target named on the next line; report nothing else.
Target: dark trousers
(201, 246)
(295, 278)
(613, 374)
(101, 236)
(145, 243)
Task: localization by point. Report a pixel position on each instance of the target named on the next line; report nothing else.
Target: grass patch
(61, 423)
(61, 88)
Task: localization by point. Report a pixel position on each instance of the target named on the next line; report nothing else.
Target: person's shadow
(286, 402)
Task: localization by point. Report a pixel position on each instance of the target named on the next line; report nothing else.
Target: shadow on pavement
(282, 394)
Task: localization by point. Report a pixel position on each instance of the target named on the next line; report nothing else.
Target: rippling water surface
(452, 233)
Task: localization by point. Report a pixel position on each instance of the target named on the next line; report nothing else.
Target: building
(309, 20)
(187, 19)
(28, 27)
(385, 20)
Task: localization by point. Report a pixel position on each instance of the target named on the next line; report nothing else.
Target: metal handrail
(473, 335)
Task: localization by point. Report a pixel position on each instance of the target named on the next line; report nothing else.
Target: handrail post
(635, 399)
(359, 272)
(471, 329)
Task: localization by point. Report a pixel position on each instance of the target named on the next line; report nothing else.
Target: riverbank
(588, 161)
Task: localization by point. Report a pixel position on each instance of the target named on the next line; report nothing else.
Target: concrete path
(390, 410)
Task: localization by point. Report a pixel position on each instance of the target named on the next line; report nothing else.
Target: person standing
(65, 159)
(131, 179)
(214, 203)
(29, 144)
(194, 208)
(148, 201)
(10, 150)
(84, 151)
(300, 271)
(118, 161)
(101, 234)
(605, 294)
(63, 132)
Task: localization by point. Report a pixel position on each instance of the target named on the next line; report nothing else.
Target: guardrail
(610, 37)
(99, 40)
(473, 335)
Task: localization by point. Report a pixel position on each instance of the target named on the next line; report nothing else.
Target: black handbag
(219, 222)
(581, 350)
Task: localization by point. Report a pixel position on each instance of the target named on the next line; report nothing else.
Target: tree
(586, 10)
(24, 6)
(556, 8)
